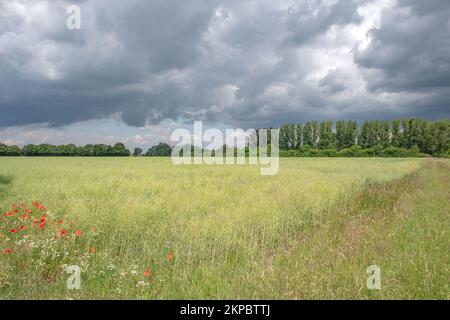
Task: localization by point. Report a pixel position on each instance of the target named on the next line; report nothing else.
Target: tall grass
(232, 232)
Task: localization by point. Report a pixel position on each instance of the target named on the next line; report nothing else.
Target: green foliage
(379, 138)
(160, 150)
(137, 152)
(69, 150)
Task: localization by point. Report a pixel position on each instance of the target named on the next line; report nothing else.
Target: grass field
(149, 229)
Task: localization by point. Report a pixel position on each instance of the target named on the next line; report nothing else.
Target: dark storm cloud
(244, 63)
(411, 53)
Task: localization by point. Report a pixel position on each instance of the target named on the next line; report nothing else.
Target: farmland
(144, 228)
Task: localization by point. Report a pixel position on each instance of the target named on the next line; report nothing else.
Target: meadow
(142, 228)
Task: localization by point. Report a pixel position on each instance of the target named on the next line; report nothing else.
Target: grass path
(401, 226)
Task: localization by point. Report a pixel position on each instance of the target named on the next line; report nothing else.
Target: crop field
(145, 228)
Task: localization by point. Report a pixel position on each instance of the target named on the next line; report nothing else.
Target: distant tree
(326, 135)
(315, 133)
(119, 149)
(308, 134)
(340, 134)
(6, 150)
(406, 137)
(137, 152)
(383, 133)
(351, 133)
(160, 150)
(298, 136)
(395, 133)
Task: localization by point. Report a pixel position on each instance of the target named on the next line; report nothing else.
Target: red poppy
(42, 225)
(78, 233)
(60, 221)
(55, 238)
(28, 211)
(170, 256)
(8, 214)
(21, 228)
(43, 218)
(92, 250)
(63, 232)
(25, 216)
(147, 272)
(7, 251)
(13, 230)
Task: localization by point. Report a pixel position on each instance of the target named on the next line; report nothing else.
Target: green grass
(309, 232)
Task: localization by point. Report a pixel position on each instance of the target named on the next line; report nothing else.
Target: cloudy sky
(138, 69)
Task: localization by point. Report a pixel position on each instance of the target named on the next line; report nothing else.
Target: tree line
(380, 137)
(397, 138)
(49, 150)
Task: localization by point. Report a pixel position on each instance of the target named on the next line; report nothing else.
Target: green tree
(340, 134)
(162, 150)
(395, 133)
(308, 134)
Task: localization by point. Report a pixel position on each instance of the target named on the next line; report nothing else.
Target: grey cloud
(245, 63)
(411, 50)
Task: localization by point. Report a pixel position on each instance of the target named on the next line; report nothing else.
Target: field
(144, 228)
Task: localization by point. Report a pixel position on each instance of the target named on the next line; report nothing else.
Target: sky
(138, 69)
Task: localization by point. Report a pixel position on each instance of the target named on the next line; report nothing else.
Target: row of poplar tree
(430, 137)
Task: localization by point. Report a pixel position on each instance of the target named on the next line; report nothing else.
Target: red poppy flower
(92, 250)
(8, 214)
(55, 238)
(7, 251)
(25, 216)
(28, 211)
(60, 221)
(63, 232)
(43, 218)
(170, 256)
(42, 225)
(78, 233)
(21, 228)
(147, 272)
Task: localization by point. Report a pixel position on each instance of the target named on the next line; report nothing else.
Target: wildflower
(170, 256)
(25, 216)
(7, 251)
(92, 250)
(42, 225)
(78, 233)
(8, 214)
(28, 211)
(63, 232)
(147, 272)
(55, 238)
(60, 221)
(43, 218)
(21, 228)
(13, 230)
